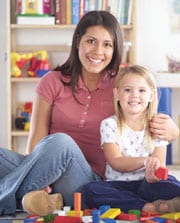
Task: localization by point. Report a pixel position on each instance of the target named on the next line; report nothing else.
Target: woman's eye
(127, 89)
(90, 41)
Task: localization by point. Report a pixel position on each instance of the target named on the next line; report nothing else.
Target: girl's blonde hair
(151, 109)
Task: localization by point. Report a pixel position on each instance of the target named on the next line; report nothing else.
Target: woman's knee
(57, 143)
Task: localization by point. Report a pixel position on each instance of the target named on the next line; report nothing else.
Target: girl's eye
(142, 90)
(127, 90)
(108, 44)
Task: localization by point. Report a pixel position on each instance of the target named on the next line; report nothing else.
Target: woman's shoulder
(54, 75)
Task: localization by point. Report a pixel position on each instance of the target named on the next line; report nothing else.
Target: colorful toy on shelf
(17, 63)
(37, 63)
(22, 121)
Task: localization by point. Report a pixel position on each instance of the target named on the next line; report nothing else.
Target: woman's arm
(163, 127)
(40, 122)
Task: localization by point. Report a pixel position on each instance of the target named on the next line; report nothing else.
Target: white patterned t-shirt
(132, 144)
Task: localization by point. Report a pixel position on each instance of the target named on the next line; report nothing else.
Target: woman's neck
(91, 80)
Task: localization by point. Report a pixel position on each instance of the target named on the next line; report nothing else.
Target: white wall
(152, 33)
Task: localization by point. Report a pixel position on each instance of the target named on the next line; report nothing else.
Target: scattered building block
(162, 173)
(111, 213)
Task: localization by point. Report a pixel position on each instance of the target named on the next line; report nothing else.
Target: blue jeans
(129, 195)
(56, 160)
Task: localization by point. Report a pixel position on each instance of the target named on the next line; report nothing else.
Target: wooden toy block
(178, 220)
(135, 211)
(158, 219)
(77, 201)
(111, 213)
(162, 173)
(74, 213)
(170, 221)
(172, 216)
(96, 216)
(67, 219)
(104, 208)
(149, 214)
(88, 212)
(127, 216)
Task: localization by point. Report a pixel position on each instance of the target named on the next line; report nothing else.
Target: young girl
(132, 153)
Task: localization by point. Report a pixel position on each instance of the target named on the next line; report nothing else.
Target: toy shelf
(56, 40)
(170, 80)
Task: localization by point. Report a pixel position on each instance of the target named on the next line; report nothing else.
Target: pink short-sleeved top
(80, 121)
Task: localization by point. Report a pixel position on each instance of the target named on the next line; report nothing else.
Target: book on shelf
(75, 11)
(71, 11)
(68, 12)
(35, 19)
(60, 11)
(122, 10)
(34, 7)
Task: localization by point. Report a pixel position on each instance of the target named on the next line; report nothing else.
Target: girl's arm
(122, 163)
(119, 162)
(152, 163)
(163, 127)
(40, 122)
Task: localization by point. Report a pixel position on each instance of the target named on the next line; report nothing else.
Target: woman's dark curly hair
(72, 67)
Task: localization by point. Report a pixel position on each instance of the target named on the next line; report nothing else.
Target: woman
(64, 139)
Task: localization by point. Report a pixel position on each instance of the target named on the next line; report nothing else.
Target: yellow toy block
(173, 216)
(74, 213)
(111, 213)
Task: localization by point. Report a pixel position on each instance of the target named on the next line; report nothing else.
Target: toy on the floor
(105, 214)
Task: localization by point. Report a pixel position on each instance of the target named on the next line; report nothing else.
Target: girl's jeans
(56, 160)
(129, 195)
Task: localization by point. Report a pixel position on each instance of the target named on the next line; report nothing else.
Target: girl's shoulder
(111, 120)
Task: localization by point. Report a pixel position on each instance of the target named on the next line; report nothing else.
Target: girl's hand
(151, 165)
(163, 127)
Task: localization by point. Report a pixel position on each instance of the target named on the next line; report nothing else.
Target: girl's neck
(136, 123)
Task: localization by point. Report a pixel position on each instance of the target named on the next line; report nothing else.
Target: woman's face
(96, 49)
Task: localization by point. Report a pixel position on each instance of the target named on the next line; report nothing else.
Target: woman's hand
(48, 189)
(151, 165)
(163, 127)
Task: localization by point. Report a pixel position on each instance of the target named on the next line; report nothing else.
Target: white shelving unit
(56, 39)
(165, 79)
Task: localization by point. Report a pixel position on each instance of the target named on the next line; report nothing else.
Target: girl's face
(133, 94)
(95, 50)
